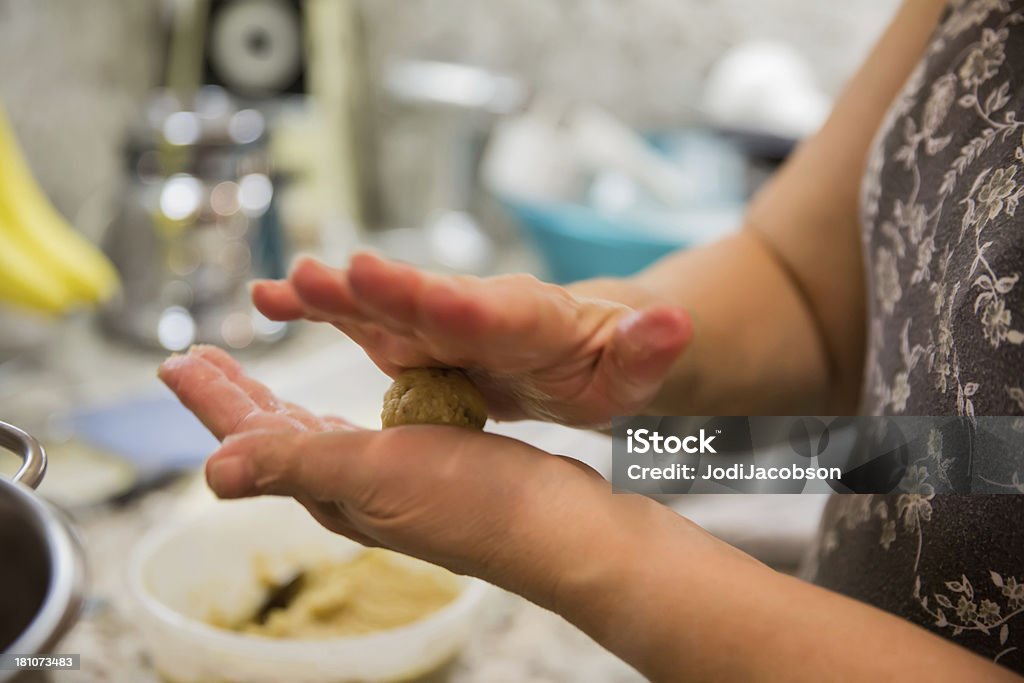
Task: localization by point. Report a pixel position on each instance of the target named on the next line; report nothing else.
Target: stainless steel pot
(42, 566)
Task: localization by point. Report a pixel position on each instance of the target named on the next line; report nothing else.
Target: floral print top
(944, 248)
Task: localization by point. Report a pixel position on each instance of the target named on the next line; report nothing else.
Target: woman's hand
(476, 503)
(654, 589)
(535, 349)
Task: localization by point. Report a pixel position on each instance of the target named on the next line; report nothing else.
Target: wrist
(633, 586)
(611, 554)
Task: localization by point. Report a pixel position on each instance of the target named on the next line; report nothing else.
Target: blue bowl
(578, 242)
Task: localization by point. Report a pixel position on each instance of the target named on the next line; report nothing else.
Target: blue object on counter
(580, 240)
(156, 434)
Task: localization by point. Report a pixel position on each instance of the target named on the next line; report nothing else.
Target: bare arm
(733, 619)
(768, 321)
(652, 587)
(655, 589)
(779, 309)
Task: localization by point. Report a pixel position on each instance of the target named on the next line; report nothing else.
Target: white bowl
(206, 563)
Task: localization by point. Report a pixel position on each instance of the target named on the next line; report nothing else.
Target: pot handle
(33, 457)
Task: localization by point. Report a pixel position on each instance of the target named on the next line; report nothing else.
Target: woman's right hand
(535, 349)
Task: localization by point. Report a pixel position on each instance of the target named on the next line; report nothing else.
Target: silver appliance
(197, 222)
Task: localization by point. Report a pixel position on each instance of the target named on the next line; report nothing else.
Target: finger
(390, 351)
(279, 301)
(387, 290)
(325, 290)
(643, 348)
(339, 423)
(506, 323)
(348, 466)
(450, 316)
(373, 303)
(393, 353)
(269, 462)
(397, 297)
(325, 293)
(454, 309)
(501, 323)
(261, 395)
(276, 300)
(220, 404)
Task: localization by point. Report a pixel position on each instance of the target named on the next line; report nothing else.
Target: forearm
(685, 606)
(780, 308)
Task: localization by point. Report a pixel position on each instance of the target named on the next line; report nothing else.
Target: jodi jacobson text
(735, 472)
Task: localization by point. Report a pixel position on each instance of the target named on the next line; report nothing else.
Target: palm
(230, 404)
(535, 350)
(356, 482)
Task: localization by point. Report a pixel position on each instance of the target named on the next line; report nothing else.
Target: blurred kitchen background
(202, 143)
(78, 77)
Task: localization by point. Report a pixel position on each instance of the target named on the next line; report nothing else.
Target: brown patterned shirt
(943, 237)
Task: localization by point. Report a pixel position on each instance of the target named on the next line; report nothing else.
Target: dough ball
(438, 396)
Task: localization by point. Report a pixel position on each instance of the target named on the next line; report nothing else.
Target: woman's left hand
(474, 502)
(642, 581)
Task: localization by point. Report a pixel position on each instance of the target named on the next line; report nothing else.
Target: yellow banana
(23, 284)
(42, 235)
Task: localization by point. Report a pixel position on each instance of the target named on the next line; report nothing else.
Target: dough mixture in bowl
(375, 591)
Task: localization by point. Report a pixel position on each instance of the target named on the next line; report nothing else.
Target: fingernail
(636, 329)
(366, 253)
(661, 330)
(301, 261)
(650, 333)
(172, 362)
(229, 477)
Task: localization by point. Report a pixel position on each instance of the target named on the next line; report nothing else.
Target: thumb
(324, 466)
(642, 349)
